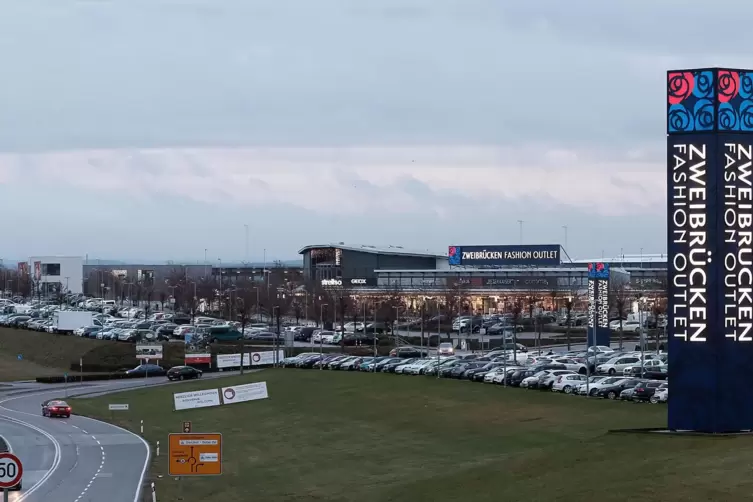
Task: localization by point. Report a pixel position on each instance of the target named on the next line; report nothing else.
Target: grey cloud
(247, 72)
(282, 229)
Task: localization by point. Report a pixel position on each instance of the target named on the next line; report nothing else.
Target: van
(223, 334)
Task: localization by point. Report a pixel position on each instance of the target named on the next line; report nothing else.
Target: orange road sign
(195, 454)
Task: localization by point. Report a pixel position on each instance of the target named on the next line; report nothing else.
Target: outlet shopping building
(491, 274)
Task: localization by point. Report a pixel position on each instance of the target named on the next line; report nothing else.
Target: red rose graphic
(728, 85)
(679, 86)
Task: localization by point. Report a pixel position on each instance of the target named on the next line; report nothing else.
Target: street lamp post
(394, 326)
(321, 344)
(439, 331)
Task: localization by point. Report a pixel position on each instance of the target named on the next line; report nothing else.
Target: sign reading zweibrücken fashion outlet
(541, 255)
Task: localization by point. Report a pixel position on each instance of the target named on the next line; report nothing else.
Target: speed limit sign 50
(11, 470)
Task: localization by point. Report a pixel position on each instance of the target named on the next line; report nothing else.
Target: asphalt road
(77, 459)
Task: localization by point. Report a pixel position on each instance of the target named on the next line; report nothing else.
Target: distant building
(53, 274)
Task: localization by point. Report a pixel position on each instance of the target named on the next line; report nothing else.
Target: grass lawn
(352, 436)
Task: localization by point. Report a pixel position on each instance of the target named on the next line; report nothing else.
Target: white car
(600, 349)
(547, 381)
(661, 395)
(446, 349)
(571, 364)
(489, 377)
(330, 337)
(617, 365)
(650, 364)
(401, 368)
(533, 378)
(500, 377)
(594, 387)
(417, 367)
(351, 327)
(568, 383)
(631, 327)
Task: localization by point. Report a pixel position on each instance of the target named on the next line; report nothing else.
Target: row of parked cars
(556, 373)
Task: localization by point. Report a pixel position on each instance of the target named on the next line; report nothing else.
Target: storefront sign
(598, 304)
(505, 256)
(332, 282)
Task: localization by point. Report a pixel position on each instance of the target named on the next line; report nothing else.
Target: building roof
(364, 248)
(628, 258)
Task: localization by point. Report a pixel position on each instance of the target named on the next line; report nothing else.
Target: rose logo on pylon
(229, 393)
(256, 358)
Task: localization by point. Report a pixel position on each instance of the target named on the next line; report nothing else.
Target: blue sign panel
(710, 243)
(693, 276)
(598, 332)
(544, 255)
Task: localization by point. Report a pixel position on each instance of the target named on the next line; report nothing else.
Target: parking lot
(608, 374)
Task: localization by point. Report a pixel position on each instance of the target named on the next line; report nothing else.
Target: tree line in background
(278, 294)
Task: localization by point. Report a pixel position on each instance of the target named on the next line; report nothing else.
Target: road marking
(55, 462)
(99, 469)
(55, 443)
(140, 486)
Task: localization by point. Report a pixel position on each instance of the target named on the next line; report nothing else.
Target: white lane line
(49, 473)
(99, 469)
(55, 461)
(55, 443)
(139, 488)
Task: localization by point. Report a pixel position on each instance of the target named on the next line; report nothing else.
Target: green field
(352, 436)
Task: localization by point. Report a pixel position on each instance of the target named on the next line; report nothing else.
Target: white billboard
(249, 359)
(242, 393)
(151, 351)
(196, 399)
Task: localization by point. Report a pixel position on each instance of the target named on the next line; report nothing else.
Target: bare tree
(455, 299)
(533, 298)
(245, 304)
(517, 310)
(620, 299)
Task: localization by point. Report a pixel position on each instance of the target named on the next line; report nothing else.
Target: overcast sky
(133, 129)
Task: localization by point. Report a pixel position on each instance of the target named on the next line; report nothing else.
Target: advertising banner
(543, 255)
(243, 393)
(23, 268)
(598, 332)
(249, 359)
(198, 358)
(151, 351)
(37, 270)
(522, 283)
(196, 399)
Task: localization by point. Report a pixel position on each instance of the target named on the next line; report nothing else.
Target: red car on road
(56, 408)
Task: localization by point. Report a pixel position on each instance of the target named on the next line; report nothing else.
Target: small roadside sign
(11, 470)
(118, 407)
(195, 454)
(186, 427)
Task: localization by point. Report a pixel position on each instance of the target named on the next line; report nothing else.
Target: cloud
(357, 180)
(336, 73)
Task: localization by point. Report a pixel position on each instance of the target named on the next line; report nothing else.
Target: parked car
(661, 394)
(567, 383)
(408, 352)
(645, 389)
(613, 390)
